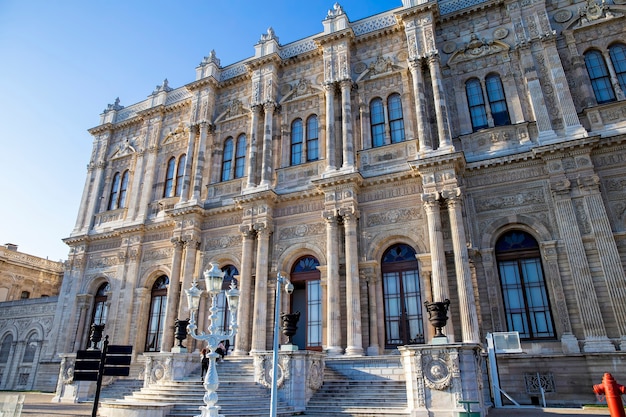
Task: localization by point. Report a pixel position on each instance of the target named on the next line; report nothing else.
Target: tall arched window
(402, 297)
(377, 121)
(476, 103)
(599, 76)
(618, 59)
(168, 189)
(497, 101)
(100, 306)
(31, 349)
(227, 159)
(156, 318)
(396, 119)
(115, 188)
(224, 314)
(240, 156)
(526, 303)
(180, 175)
(297, 135)
(307, 299)
(123, 190)
(312, 139)
(5, 348)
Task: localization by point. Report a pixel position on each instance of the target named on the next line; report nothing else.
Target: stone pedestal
(439, 376)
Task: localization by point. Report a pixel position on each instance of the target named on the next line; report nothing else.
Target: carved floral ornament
(477, 48)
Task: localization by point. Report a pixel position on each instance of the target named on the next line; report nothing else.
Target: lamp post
(280, 280)
(213, 278)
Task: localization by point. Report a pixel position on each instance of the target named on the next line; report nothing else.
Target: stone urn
(180, 331)
(438, 315)
(95, 336)
(290, 324)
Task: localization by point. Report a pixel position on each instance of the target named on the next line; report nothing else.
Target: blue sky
(63, 61)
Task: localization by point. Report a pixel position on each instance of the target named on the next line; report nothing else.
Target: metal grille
(538, 380)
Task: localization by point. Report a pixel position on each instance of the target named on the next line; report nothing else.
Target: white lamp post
(213, 278)
(289, 288)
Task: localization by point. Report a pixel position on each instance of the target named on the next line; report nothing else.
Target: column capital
(430, 199)
(330, 216)
(453, 195)
(269, 106)
(178, 242)
(247, 231)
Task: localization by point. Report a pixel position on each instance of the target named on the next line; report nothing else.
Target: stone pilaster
(173, 297)
(266, 167)
(191, 144)
(188, 271)
(331, 163)
(353, 287)
(252, 153)
(346, 125)
(465, 289)
(435, 237)
(441, 108)
(242, 341)
(423, 130)
(200, 160)
(259, 322)
(333, 309)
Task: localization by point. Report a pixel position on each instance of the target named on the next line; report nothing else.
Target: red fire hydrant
(613, 394)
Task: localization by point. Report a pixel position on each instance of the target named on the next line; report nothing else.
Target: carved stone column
(437, 254)
(173, 296)
(252, 154)
(465, 289)
(596, 339)
(200, 159)
(148, 178)
(441, 109)
(333, 311)
(259, 323)
(423, 130)
(266, 167)
(331, 164)
(346, 125)
(191, 250)
(140, 307)
(608, 252)
(191, 144)
(353, 287)
(373, 287)
(242, 341)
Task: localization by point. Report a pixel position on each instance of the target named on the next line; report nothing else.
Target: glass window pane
(312, 144)
(396, 122)
(240, 157)
(476, 104)
(377, 121)
(227, 159)
(599, 76)
(169, 178)
(497, 101)
(296, 142)
(618, 58)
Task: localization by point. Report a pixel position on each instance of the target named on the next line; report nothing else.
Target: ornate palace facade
(463, 149)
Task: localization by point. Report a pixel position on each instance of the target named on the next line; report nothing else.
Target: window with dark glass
(25, 295)
(312, 139)
(119, 187)
(169, 178)
(227, 159)
(156, 317)
(377, 122)
(296, 142)
(5, 348)
(396, 120)
(240, 156)
(497, 101)
(123, 190)
(115, 188)
(599, 76)
(180, 175)
(307, 299)
(402, 297)
(526, 303)
(476, 102)
(618, 59)
(31, 349)
(223, 312)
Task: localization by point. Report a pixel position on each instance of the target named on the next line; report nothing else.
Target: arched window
(497, 101)
(224, 314)
(180, 175)
(100, 306)
(307, 299)
(156, 318)
(402, 297)
(123, 190)
(115, 188)
(119, 187)
(169, 178)
(312, 139)
(377, 121)
(31, 349)
(599, 76)
(240, 156)
(476, 103)
(618, 59)
(5, 348)
(526, 303)
(227, 159)
(296, 142)
(396, 119)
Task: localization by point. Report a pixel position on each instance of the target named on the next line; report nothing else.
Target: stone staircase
(238, 394)
(360, 388)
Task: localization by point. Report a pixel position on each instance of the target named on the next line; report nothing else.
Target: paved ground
(38, 404)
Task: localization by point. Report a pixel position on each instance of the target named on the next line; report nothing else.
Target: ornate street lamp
(213, 279)
(280, 280)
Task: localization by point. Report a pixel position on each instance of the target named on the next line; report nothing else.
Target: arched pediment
(380, 66)
(477, 48)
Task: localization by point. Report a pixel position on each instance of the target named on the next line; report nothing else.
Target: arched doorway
(100, 309)
(307, 299)
(402, 297)
(156, 318)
